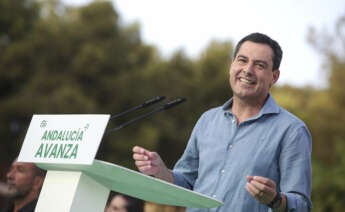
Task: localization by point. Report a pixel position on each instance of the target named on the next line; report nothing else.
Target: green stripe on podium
(136, 184)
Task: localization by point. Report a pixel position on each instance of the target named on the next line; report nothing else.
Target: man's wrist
(282, 207)
(166, 175)
(276, 202)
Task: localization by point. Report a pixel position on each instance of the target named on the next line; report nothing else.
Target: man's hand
(150, 163)
(264, 191)
(261, 188)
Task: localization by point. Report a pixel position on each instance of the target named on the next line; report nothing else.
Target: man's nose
(249, 69)
(10, 174)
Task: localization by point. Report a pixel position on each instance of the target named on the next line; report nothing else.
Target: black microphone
(164, 107)
(173, 103)
(145, 104)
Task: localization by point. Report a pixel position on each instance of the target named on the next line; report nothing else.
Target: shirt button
(230, 146)
(233, 121)
(223, 171)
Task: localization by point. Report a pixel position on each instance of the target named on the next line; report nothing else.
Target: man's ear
(276, 74)
(38, 182)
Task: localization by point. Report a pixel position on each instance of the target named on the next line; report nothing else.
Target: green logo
(44, 123)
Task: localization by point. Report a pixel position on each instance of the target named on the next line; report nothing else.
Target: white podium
(74, 184)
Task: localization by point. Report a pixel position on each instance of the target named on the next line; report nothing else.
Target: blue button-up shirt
(220, 154)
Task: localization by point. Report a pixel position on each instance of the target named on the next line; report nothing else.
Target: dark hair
(37, 171)
(264, 39)
(133, 204)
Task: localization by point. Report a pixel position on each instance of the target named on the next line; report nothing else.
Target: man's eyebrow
(242, 56)
(255, 61)
(261, 61)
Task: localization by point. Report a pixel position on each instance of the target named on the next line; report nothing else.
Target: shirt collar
(30, 207)
(270, 107)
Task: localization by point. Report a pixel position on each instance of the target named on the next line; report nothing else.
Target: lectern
(66, 146)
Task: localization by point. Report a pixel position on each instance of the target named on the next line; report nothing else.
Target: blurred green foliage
(323, 112)
(62, 60)
(56, 59)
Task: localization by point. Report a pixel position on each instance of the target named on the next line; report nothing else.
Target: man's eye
(241, 60)
(261, 66)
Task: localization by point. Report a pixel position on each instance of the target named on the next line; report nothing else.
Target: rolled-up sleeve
(186, 169)
(295, 169)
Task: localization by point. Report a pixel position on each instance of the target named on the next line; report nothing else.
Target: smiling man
(249, 153)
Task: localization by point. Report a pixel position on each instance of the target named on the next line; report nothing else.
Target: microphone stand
(145, 104)
(164, 107)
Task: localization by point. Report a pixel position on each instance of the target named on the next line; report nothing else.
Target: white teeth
(246, 81)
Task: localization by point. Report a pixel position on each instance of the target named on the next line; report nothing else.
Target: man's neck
(20, 203)
(244, 109)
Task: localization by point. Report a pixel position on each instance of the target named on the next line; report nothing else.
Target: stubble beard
(16, 194)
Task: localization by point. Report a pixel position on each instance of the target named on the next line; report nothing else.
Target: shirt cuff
(294, 203)
(180, 181)
(291, 202)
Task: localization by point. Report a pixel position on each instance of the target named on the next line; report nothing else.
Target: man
(122, 203)
(24, 182)
(250, 153)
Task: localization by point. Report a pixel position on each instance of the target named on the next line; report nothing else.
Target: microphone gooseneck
(145, 104)
(163, 107)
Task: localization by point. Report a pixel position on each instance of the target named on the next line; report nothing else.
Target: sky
(171, 25)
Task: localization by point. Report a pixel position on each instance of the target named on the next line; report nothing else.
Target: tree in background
(17, 20)
(322, 110)
(83, 60)
(327, 120)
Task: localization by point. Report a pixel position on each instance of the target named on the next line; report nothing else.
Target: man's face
(251, 75)
(20, 179)
(117, 204)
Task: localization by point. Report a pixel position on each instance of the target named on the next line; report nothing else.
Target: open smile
(247, 81)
